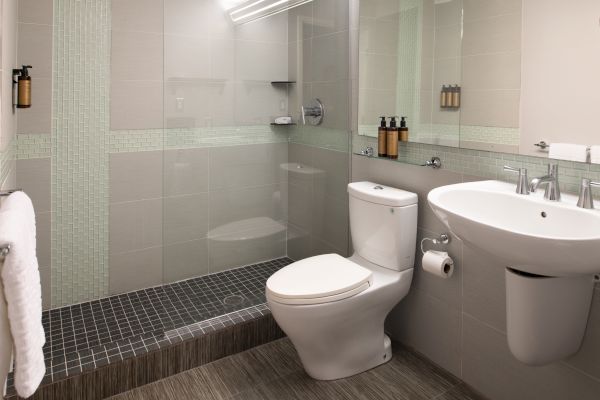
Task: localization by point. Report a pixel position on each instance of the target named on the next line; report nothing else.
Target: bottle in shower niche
(382, 138)
(403, 131)
(392, 139)
(444, 94)
(455, 96)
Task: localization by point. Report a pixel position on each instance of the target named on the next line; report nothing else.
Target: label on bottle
(382, 142)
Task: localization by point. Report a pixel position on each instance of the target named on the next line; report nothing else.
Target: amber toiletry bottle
(382, 139)
(392, 139)
(456, 96)
(444, 97)
(403, 131)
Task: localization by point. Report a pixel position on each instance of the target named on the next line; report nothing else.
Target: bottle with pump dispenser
(382, 138)
(23, 87)
(456, 96)
(403, 131)
(444, 97)
(392, 139)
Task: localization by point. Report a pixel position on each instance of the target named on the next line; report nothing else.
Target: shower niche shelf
(290, 124)
(282, 82)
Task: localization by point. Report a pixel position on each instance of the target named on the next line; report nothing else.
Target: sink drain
(234, 300)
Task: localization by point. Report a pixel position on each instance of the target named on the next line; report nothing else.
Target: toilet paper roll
(438, 263)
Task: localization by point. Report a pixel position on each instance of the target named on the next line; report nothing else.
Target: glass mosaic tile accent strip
(7, 159)
(318, 136)
(80, 126)
(34, 146)
(486, 164)
(89, 335)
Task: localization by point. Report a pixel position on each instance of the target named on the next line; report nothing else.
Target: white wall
(560, 73)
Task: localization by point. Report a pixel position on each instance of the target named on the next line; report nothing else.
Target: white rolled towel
(568, 151)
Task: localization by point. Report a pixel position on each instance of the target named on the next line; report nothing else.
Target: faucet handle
(586, 199)
(522, 182)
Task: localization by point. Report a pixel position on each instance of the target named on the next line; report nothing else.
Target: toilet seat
(318, 280)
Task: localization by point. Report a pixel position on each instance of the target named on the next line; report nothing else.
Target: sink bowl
(531, 234)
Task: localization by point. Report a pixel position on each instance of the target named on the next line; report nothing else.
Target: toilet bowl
(333, 308)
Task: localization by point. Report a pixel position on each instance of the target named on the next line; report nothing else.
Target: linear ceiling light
(258, 9)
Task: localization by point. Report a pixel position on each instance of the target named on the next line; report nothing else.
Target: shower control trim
(313, 112)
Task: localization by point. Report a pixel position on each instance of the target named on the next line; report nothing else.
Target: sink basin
(530, 233)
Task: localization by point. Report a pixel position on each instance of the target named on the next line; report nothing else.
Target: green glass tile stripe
(318, 136)
(7, 158)
(80, 126)
(486, 164)
(34, 146)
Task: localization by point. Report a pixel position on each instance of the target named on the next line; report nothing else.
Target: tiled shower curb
(188, 347)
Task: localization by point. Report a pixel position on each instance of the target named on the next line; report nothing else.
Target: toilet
(333, 308)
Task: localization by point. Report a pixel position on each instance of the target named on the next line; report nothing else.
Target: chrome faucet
(551, 180)
(586, 200)
(522, 183)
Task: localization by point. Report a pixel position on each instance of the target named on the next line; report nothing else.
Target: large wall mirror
(524, 71)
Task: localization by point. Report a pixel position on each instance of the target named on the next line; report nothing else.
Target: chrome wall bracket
(444, 238)
(434, 163)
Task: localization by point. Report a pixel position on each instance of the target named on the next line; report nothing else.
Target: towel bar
(4, 193)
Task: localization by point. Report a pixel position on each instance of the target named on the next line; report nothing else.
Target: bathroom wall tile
(448, 13)
(245, 248)
(38, 118)
(330, 16)
(258, 103)
(446, 71)
(197, 18)
(335, 97)
(135, 176)
(491, 108)
(35, 48)
(327, 53)
(430, 326)
(301, 206)
(36, 11)
(484, 290)
(379, 8)
(250, 61)
(239, 205)
(33, 176)
(449, 291)
(135, 225)
(333, 181)
(298, 243)
(43, 222)
(492, 71)
(46, 283)
(126, 15)
(586, 359)
(249, 165)
(493, 35)
(448, 42)
(491, 369)
(186, 171)
(185, 260)
(222, 59)
(330, 221)
(272, 29)
(378, 71)
(375, 102)
(185, 218)
(477, 9)
(137, 56)
(136, 104)
(300, 22)
(135, 270)
(187, 57)
(378, 36)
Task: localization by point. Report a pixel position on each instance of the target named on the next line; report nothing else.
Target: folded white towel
(568, 151)
(23, 291)
(595, 154)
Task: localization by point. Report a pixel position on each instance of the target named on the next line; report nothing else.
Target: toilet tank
(383, 224)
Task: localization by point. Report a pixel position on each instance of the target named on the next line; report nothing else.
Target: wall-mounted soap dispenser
(382, 138)
(392, 139)
(22, 86)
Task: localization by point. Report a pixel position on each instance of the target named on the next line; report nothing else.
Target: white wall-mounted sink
(532, 234)
(551, 251)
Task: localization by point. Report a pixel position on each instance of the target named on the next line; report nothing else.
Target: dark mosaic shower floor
(89, 335)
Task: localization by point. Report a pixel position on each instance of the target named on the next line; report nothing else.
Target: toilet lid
(319, 279)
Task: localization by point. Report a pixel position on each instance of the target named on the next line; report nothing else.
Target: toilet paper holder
(444, 238)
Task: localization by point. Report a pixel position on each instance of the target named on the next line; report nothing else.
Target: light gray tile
(330, 222)
(126, 15)
(250, 57)
(43, 222)
(272, 29)
(186, 171)
(46, 282)
(335, 97)
(449, 13)
(185, 218)
(298, 242)
(35, 48)
(137, 56)
(38, 118)
(429, 325)
(185, 260)
(330, 16)
(33, 176)
(36, 11)
(187, 57)
(248, 165)
(300, 22)
(258, 103)
(135, 225)
(136, 104)
(136, 176)
(477, 9)
(492, 71)
(197, 18)
(492, 35)
(484, 289)
(491, 108)
(333, 181)
(589, 354)
(489, 367)
(135, 270)
(330, 56)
